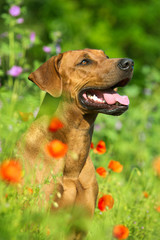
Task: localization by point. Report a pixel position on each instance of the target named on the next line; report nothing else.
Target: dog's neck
(48, 106)
(76, 133)
(73, 117)
(65, 112)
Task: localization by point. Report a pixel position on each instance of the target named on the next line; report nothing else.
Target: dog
(79, 84)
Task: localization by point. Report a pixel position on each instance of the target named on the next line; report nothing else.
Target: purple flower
(4, 34)
(46, 49)
(20, 54)
(15, 71)
(20, 20)
(32, 37)
(97, 127)
(15, 11)
(18, 36)
(58, 48)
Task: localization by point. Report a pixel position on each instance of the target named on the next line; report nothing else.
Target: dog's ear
(47, 76)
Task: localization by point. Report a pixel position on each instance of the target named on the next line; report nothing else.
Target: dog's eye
(85, 61)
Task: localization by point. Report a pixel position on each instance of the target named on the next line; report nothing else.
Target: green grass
(134, 144)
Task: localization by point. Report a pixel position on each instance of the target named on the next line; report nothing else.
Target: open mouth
(106, 101)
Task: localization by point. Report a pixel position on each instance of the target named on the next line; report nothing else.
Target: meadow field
(125, 150)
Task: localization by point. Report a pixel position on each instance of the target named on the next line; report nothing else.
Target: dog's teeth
(90, 96)
(95, 98)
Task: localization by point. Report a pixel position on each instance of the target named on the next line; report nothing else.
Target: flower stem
(11, 51)
(11, 47)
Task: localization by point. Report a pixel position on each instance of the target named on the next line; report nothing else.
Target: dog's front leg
(87, 190)
(81, 191)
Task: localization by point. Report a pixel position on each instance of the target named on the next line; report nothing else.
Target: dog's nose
(126, 64)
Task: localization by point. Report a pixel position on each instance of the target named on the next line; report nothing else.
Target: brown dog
(83, 82)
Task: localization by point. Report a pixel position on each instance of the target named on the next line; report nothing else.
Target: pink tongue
(112, 97)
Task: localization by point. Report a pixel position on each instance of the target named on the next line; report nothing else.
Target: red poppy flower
(156, 166)
(158, 209)
(55, 125)
(11, 171)
(145, 194)
(48, 232)
(92, 145)
(101, 171)
(120, 232)
(105, 201)
(56, 149)
(115, 166)
(100, 148)
(30, 190)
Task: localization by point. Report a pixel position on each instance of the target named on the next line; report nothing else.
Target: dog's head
(87, 78)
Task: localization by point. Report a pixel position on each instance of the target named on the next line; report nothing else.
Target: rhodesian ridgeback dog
(79, 85)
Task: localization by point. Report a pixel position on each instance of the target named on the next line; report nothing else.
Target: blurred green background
(122, 29)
